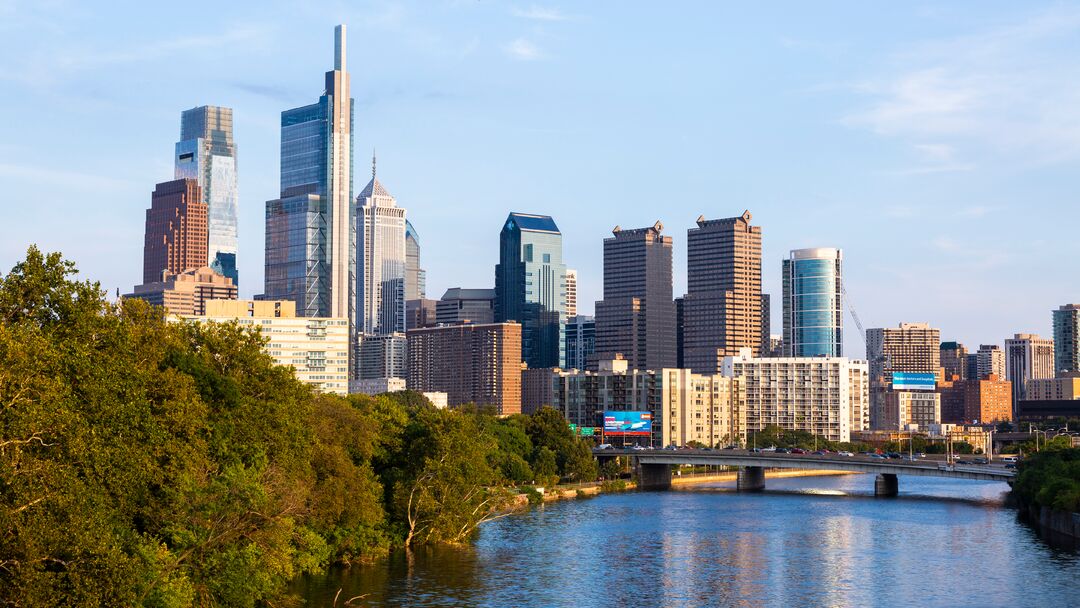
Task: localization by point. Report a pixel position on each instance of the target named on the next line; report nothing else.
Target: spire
(339, 48)
(373, 163)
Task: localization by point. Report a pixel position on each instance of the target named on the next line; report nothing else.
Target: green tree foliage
(1050, 478)
(163, 463)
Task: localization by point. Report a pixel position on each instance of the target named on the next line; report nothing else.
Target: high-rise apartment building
(571, 293)
(188, 292)
(317, 348)
(911, 409)
(636, 318)
(683, 407)
(380, 261)
(473, 305)
(911, 348)
(826, 396)
(813, 303)
(175, 238)
(990, 359)
(580, 341)
(206, 153)
(722, 306)
(380, 356)
(530, 286)
(988, 399)
(310, 252)
(953, 360)
(472, 363)
(415, 277)
(1067, 338)
(1027, 357)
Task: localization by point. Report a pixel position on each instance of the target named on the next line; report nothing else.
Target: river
(815, 541)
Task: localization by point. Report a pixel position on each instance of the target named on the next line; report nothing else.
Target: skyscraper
(530, 286)
(175, 237)
(415, 277)
(206, 152)
(310, 257)
(813, 303)
(571, 293)
(722, 306)
(913, 349)
(989, 359)
(1067, 339)
(1027, 357)
(636, 318)
(380, 260)
(954, 360)
(580, 341)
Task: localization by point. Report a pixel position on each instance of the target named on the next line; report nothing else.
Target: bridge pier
(654, 476)
(886, 484)
(750, 479)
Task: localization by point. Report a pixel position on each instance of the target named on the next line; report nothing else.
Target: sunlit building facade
(813, 303)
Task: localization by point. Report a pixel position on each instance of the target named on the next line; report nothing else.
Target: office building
(722, 306)
(310, 251)
(636, 318)
(458, 305)
(376, 386)
(415, 277)
(471, 363)
(913, 349)
(317, 348)
(1027, 357)
(420, 313)
(683, 407)
(380, 356)
(953, 360)
(186, 293)
(1067, 339)
(813, 303)
(536, 387)
(380, 260)
(680, 361)
(953, 394)
(530, 286)
(766, 324)
(206, 153)
(826, 396)
(580, 341)
(988, 399)
(175, 236)
(990, 359)
(1064, 388)
(571, 293)
(911, 410)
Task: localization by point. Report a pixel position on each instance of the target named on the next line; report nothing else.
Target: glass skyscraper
(380, 261)
(415, 277)
(310, 229)
(530, 287)
(206, 152)
(813, 303)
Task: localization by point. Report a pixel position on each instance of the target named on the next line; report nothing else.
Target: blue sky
(937, 145)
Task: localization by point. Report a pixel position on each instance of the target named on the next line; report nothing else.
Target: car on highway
(893, 455)
(798, 451)
(877, 456)
(672, 447)
(639, 448)
(1009, 459)
(731, 447)
(769, 449)
(821, 453)
(605, 446)
(981, 461)
(756, 450)
(782, 451)
(845, 454)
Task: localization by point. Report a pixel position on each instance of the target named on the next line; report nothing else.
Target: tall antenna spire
(339, 47)
(373, 164)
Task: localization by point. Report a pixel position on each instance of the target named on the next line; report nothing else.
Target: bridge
(654, 467)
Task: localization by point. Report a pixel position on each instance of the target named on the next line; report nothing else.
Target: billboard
(913, 381)
(627, 424)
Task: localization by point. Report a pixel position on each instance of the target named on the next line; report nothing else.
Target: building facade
(636, 318)
(186, 293)
(1027, 357)
(722, 305)
(826, 396)
(316, 348)
(310, 240)
(766, 325)
(813, 303)
(911, 348)
(459, 305)
(471, 363)
(420, 313)
(988, 399)
(380, 356)
(953, 360)
(380, 261)
(1067, 338)
(571, 293)
(175, 236)
(415, 276)
(206, 153)
(376, 386)
(530, 286)
(989, 359)
(908, 410)
(580, 341)
(1053, 389)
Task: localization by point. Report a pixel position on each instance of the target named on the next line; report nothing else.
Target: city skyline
(957, 261)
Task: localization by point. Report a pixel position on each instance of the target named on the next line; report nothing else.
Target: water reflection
(803, 542)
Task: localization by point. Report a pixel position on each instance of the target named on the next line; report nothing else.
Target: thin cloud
(523, 50)
(539, 13)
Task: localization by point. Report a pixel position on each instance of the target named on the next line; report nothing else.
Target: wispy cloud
(539, 13)
(1007, 92)
(523, 50)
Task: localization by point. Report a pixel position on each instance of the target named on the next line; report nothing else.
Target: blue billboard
(627, 424)
(913, 381)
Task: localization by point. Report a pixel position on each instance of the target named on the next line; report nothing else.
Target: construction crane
(854, 315)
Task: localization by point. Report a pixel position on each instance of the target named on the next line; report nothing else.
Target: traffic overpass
(654, 467)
